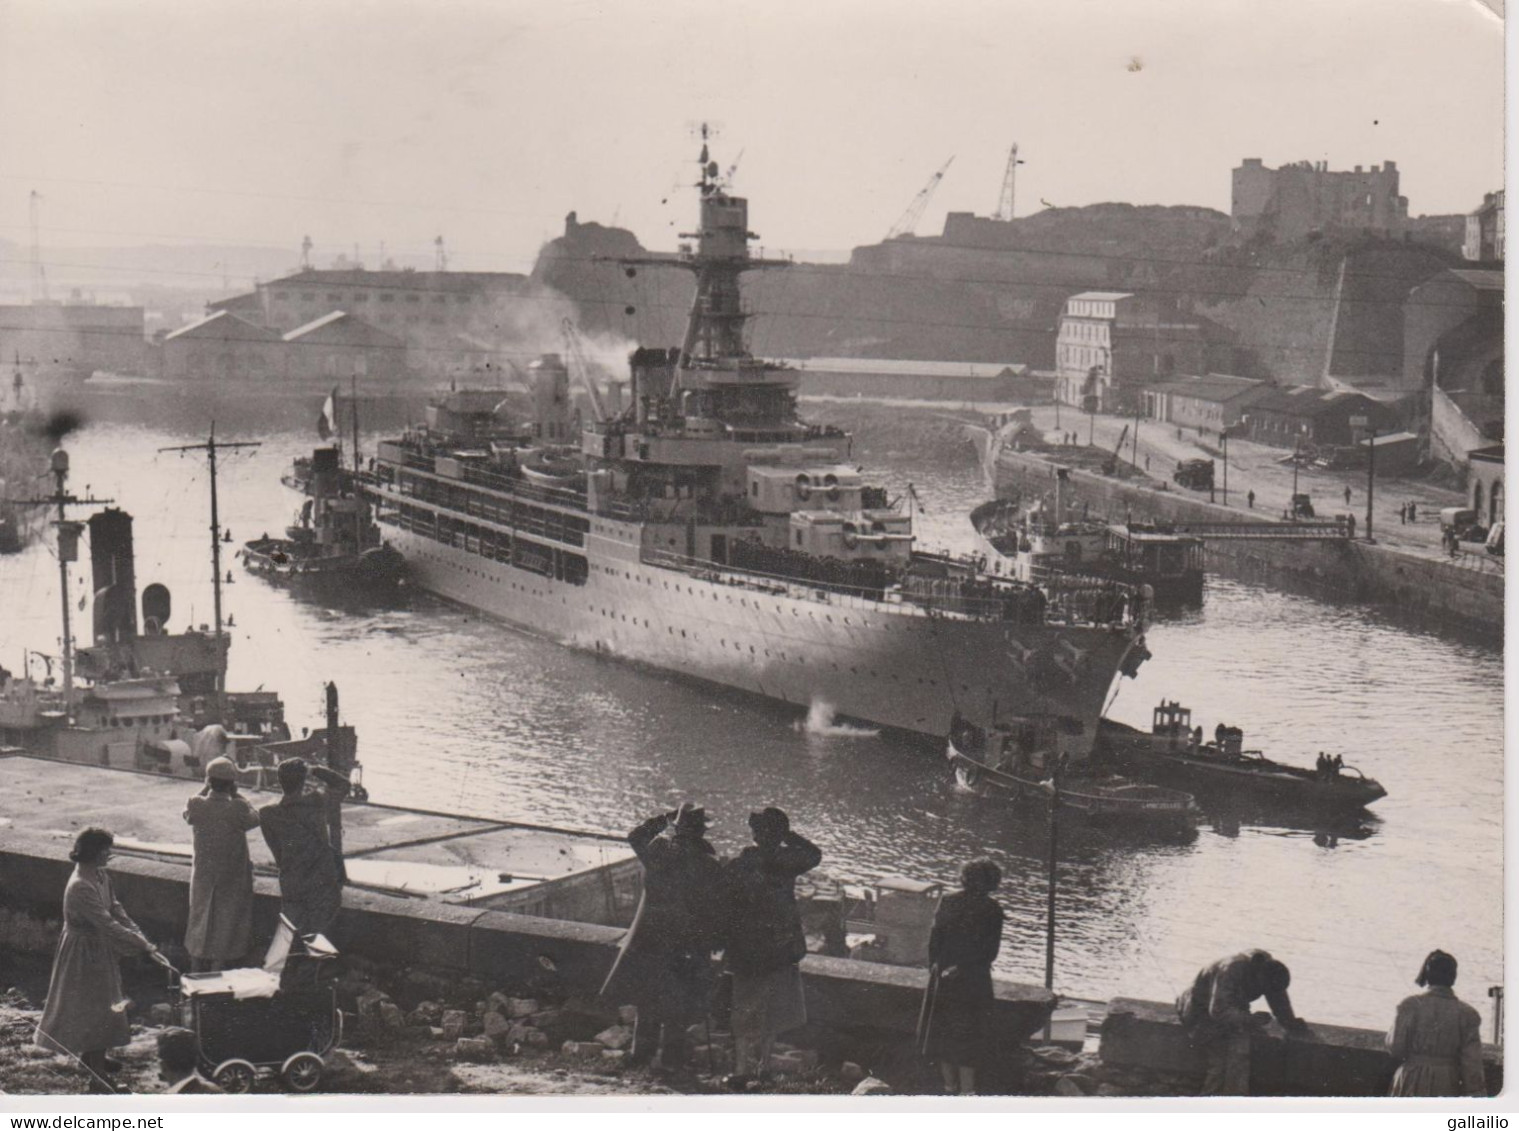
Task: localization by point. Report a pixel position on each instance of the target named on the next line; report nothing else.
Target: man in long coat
(1216, 1013)
(765, 939)
(664, 964)
(296, 830)
(220, 926)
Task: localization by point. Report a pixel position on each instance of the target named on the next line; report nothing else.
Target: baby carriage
(280, 1018)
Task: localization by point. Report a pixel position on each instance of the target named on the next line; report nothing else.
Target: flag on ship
(327, 423)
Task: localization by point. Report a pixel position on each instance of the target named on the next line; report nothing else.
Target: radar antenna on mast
(914, 213)
(1005, 201)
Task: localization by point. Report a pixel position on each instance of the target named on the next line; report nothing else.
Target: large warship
(707, 530)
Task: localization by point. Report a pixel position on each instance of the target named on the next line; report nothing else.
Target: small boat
(1223, 773)
(1021, 759)
(1037, 545)
(334, 545)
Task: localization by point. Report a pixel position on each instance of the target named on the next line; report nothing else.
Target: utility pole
(211, 447)
(1371, 476)
(68, 551)
(1050, 886)
(1223, 436)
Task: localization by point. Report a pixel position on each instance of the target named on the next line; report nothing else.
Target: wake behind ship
(708, 530)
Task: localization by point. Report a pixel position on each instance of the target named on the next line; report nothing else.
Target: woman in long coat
(1437, 1038)
(966, 937)
(220, 927)
(85, 1012)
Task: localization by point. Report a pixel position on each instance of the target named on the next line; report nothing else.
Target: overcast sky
(398, 120)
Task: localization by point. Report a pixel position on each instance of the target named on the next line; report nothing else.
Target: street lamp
(1223, 436)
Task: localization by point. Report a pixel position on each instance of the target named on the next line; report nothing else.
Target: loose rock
(474, 1049)
(521, 1006)
(391, 1016)
(496, 1025)
(617, 1037)
(454, 1021)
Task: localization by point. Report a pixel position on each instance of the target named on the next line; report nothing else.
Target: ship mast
(211, 447)
(68, 551)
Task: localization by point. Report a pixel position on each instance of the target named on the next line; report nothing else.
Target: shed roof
(1482, 280)
(1216, 387)
(335, 318)
(223, 324)
(898, 367)
(1306, 400)
(1101, 296)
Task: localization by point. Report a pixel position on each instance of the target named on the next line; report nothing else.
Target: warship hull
(880, 662)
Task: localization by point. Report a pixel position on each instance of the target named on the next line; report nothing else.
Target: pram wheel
(235, 1077)
(302, 1072)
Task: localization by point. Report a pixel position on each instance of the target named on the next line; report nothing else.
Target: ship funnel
(156, 607)
(111, 565)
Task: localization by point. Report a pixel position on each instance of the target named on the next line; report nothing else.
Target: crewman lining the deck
(1437, 1038)
(295, 828)
(664, 965)
(765, 939)
(1215, 1010)
(220, 926)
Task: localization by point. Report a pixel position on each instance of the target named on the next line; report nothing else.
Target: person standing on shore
(1215, 1011)
(85, 1014)
(1437, 1038)
(1347, 495)
(967, 934)
(220, 927)
(664, 965)
(765, 940)
(296, 830)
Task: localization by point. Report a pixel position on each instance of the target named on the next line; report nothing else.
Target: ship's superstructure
(708, 530)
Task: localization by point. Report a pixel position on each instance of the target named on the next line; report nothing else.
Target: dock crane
(576, 349)
(1005, 200)
(914, 213)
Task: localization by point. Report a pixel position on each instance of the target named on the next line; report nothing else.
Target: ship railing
(984, 600)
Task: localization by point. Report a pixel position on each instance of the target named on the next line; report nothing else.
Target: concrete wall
(1419, 588)
(496, 946)
(1329, 1060)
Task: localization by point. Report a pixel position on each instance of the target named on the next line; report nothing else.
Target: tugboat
(1035, 544)
(1223, 772)
(1022, 759)
(721, 536)
(334, 547)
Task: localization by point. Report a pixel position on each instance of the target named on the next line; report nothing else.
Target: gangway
(1302, 530)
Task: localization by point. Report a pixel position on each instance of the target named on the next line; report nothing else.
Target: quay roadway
(1254, 466)
(452, 858)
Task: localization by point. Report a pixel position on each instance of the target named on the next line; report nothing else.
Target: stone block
(475, 1049)
(614, 1056)
(521, 1007)
(518, 1031)
(495, 1025)
(851, 1073)
(537, 1039)
(627, 1014)
(581, 1048)
(500, 1003)
(427, 1013)
(617, 1037)
(454, 1023)
(1073, 1084)
(369, 1002)
(391, 1016)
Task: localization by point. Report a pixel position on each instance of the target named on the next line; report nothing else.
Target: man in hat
(178, 1057)
(663, 967)
(765, 939)
(221, 875)
(1216, 1013)
(296, 830)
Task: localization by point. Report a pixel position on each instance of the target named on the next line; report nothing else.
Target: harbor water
(459, 713)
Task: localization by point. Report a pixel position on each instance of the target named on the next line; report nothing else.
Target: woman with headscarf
(1437, 1038)
(966, 936)
(220, 927)
(85, 1012)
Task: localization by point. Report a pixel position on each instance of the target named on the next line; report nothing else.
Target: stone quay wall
(850, 1004)
(1412, 587)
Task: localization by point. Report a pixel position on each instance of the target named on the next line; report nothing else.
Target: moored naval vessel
(707, 530)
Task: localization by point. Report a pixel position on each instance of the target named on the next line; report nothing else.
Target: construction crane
(914, 213)
(1005, 201)
(39, 275)
(576, 349)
